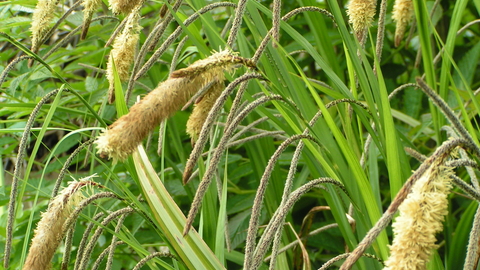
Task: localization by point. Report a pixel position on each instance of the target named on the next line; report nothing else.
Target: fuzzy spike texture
(123, 53)
(402, 14)
(124, 6)
(360, 14)
(42, 16)
(90, 6)
(201, 110)
(421, 217)
(123, 136)
(50, 228)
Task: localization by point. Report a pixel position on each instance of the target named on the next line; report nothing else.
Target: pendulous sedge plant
(315, 123)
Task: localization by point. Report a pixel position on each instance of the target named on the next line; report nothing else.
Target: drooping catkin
(90, 6)
(123, 52)
(402, 14)
(201, 110)
(42, 16)
(123, 136)
(360, 14)
(124, 6)
(50, 228)
(421, 217)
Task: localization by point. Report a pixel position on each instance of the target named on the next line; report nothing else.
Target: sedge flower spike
(123, 52)
(124, 6)
(360, 14)
(201, 110)
(50, 229)
(125, 134)
(402, 14)
(42, 16)
(90, 6)
(421, 217)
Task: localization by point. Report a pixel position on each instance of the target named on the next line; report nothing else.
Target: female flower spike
(50, 229)
(90, 6)
(402, 14)
(421, 217)
(360, 14)
(42, 16)
(201, 110)
(123, 136)
(124, 6)
(123, 52)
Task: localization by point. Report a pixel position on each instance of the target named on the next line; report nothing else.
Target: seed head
(123, 52)
(421, 217)
(361, 13)
(49, 231)
(124, 6)
(402, 14)
(201, 110)
(123, 136)
(42, 16)
(90, 6)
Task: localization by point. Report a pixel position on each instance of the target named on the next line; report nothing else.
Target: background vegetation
(316, 60)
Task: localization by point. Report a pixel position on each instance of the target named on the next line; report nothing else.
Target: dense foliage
(378, 110)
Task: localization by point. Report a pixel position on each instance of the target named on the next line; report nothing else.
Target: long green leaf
(190, 248)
